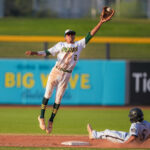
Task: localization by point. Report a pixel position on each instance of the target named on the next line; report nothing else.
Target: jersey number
(143, 135)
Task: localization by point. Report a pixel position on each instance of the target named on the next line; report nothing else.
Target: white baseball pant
(111, 135)
(58, 79)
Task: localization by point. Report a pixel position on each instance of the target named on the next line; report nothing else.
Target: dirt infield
(56, 140)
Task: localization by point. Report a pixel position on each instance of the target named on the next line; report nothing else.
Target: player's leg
(41, 117)
(114, 136)
(47, 95)
(50, 121)
(90, 130)
(93, 134)
(59, 94)
(111, 135)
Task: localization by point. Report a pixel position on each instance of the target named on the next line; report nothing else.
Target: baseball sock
(43, 107)
(55, 109)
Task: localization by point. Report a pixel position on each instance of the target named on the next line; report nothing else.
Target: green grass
(51, 26)
(68, 120)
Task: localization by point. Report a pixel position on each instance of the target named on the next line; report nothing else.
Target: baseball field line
(128, 40)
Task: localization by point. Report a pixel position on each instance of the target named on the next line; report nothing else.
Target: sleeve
(54, 50)
(133, 130)
(81, 43)
(88, 38)
(42, 53)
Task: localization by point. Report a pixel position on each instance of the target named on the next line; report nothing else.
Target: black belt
(63, 69)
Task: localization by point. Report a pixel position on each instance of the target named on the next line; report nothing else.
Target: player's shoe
(49, 127)
(89, 129)
(41, 123)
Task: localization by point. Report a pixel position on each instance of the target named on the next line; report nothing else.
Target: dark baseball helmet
(136, 115)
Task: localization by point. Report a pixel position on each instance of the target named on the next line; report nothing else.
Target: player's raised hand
(106, 14)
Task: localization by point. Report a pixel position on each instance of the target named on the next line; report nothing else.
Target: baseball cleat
(89, 129)
(49, 127)
(41, 123)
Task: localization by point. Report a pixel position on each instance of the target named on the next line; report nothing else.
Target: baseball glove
(107, 14)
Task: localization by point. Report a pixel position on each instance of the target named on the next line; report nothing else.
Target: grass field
(50, 27)
(69, 121)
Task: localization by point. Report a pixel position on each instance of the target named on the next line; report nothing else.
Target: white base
(75, 143)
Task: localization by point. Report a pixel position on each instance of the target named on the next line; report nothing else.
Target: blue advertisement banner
(93, 82)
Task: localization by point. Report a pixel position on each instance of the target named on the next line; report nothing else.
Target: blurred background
(73, 8)
(120, 51)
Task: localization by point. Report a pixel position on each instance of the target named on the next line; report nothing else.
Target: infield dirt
(13, 140)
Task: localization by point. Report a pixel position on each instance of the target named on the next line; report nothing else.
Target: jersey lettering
(69, 49)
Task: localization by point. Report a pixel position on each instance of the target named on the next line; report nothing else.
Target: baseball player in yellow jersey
(68, 53)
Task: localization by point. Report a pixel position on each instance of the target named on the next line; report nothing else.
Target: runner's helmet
(136, 115)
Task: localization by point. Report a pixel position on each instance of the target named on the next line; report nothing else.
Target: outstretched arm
(29, 53)
(96, 28)
(38, 53)
(106, 15)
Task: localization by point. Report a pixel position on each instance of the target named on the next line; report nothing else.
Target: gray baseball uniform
(139, 129)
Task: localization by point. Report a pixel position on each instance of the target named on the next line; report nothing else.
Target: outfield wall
(93, 82)
(138, 83)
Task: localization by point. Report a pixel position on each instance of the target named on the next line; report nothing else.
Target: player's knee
(58, 100)
(47, 95)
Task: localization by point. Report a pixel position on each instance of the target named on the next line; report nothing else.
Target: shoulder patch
(133, 130)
